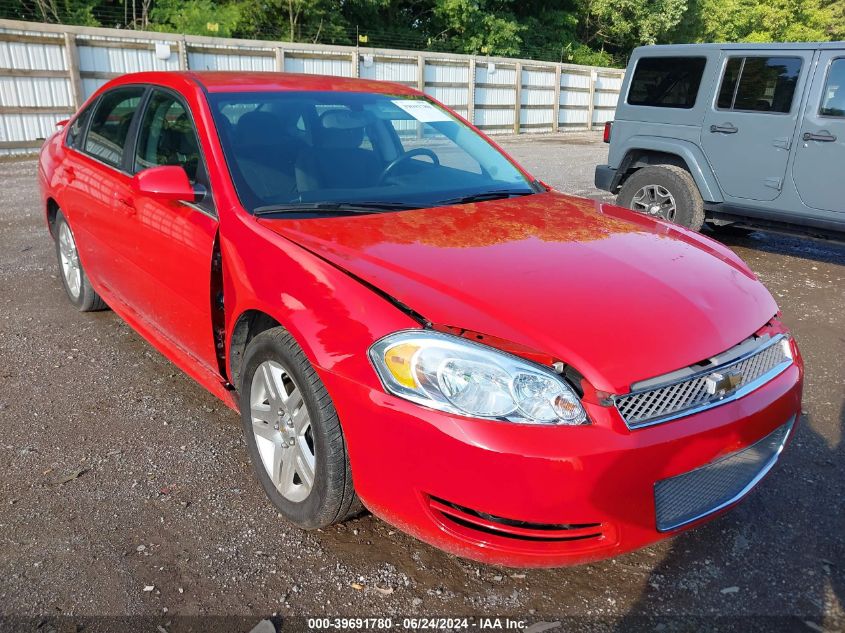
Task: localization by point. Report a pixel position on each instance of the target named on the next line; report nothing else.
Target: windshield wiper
(496, 194)
(332, 208)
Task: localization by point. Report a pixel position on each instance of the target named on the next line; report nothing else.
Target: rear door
(170, 243)
(94, 174)
(820, 158)
(748, 131)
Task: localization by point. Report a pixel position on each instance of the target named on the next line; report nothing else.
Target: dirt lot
(120, 474)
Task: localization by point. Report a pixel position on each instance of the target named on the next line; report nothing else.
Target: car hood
(615, 294)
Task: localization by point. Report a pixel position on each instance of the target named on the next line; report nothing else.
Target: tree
(196, 17)
(295, 21)
(759, 21)
(479, 26)
(622, 25)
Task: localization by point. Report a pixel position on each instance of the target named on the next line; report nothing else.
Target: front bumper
(530, 496)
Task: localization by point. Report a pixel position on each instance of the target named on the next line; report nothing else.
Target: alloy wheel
(282, 427)
(70, 261)
(656, 201)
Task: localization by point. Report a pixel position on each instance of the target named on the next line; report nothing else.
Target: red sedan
(408, 320)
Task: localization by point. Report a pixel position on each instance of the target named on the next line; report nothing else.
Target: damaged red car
(410, 322)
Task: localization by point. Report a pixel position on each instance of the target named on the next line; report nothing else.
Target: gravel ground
(127, 490)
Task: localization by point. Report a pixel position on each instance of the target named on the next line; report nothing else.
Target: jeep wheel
(664, 191)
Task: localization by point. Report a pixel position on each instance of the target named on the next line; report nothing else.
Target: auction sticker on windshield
(421, 110)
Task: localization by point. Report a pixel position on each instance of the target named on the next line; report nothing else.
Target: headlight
(456, 375)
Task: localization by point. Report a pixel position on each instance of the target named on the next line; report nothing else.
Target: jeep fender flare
(689, 153)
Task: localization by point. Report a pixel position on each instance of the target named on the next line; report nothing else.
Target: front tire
(293, 434)
(667, 192)
(74, 279)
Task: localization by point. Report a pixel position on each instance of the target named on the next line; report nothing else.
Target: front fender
(332, 316)
(689, 152)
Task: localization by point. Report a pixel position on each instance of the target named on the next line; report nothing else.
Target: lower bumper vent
(451, 513)
(693, 495)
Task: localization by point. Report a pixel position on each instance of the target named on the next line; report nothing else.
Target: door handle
(727, 128)
(125, 203)
(822, 137)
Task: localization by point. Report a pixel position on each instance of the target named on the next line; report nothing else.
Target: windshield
(373, 151)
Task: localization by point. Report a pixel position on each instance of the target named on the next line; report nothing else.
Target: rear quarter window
(833, 97)
(666, 82)
(759, 84)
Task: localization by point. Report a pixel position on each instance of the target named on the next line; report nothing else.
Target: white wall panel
(538, 78)
(446, 73)
(35, 91)
(318, 66)
(449, 96)
(28, 127)
(123, 60)
(221, 61)
(568, 98)
(574, 80)
(90, 86)
(402, 71)
(498, 74)
(32, 56)
(573, 117)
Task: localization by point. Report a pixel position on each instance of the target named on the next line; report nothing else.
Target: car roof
(686, 49)
(253, 81)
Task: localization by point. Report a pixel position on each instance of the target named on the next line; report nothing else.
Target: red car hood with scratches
(615, 294)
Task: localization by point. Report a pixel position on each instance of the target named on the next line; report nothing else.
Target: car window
(109, 128)
(759, 84)
(833, 97)
(353, 147)
(77, 127)
(416, 135)
(167, 136)
(666, 82)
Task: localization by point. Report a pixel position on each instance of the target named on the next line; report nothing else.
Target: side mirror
(169, 182)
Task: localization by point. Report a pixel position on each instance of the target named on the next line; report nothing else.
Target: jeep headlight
(453, 374)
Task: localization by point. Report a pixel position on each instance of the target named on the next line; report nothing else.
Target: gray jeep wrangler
(748, 135)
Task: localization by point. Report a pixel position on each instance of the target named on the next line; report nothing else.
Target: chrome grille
(675, 399)
(693, 495)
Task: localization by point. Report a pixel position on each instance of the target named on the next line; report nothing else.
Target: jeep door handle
(823, 137)
(727, 128)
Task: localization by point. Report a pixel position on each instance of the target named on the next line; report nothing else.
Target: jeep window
(833, 97)
(759, 84)
(666, 82)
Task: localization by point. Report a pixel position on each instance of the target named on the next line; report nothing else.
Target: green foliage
(477, 27)
(758, 21)
(595, 32)
(196, 17)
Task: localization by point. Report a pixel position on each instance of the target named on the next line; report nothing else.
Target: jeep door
(749, 128)
(820, 155)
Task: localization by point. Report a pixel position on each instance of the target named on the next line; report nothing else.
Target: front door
(819, 161)
(171, 243)
(749, 128)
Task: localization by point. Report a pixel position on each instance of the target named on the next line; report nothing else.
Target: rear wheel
(667, 192)
(293, 434)
(76, 283)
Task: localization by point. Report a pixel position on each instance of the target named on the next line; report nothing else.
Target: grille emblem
(722, 383)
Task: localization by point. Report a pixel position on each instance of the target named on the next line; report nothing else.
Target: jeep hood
(615, 294)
